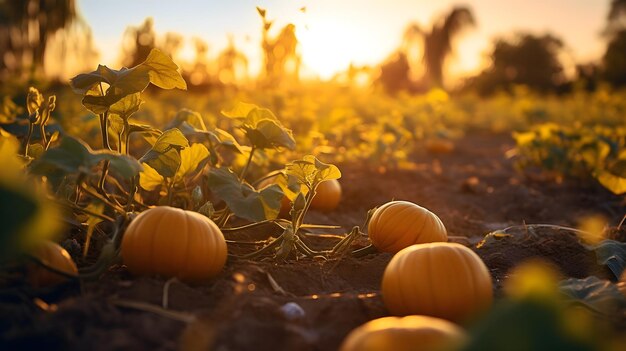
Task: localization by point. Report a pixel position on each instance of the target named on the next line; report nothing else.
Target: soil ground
(474, 190)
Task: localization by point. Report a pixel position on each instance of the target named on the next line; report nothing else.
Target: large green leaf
(16, 209)
(164, 156)
(126, 106)
(525, 325)
(192, 118)
(157, 69)
(262, 127)
(242, 199)
(193, 159)
(192, 126)
(73, 156)
(163, 71)
(309, 170)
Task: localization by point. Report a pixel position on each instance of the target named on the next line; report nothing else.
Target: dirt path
(241, 310)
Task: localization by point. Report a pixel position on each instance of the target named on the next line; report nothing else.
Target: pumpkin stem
(166, 291)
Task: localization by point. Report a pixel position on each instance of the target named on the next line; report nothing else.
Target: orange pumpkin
(445, 280)
(399, 224)
(53, 255)
(439, 146)
(411, 333)
(327, 196)
(172, 242)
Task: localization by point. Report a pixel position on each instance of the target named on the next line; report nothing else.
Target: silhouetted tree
(529, 60)
(437, 42)
(25, 26)
(232, 64)
(394, 74)
(614, 59)
(281, 59)
(616, 19)
(138, 42)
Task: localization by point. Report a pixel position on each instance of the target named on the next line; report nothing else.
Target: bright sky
(334, 33)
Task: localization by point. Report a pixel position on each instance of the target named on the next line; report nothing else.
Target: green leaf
(614, 183)
(207, 209)
(163, 71)
(529, 324)
(310, 171)
(270, 134)
(149, 178)
(242, 199)
(164, 156)
(16, 209)
(92, 221)
(597, 294)
(193, 118)
(157, 69)
(262, 127)
(192, 158)
(73, 156)
(126, 106)
(240, 111)
(612, 254)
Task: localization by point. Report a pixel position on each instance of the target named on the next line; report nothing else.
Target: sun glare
(328, 46)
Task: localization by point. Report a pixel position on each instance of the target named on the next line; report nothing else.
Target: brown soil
(474, 190)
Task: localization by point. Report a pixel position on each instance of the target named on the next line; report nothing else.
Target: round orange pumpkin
(327, 196)
(411, 333)
(399, 224)
(445, 280)
(53, 255)
(172, 242)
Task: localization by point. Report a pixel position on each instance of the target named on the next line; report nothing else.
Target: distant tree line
(523, 59)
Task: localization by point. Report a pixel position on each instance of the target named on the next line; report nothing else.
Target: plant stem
(364, 251)
(104, 123)
(247, 226)
(85, 211)
(265, 248)
(44, 139)
(170, 192)
(28, 137)
(245, 168)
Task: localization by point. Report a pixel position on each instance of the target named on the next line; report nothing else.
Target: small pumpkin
(399, 224)
(327, 196)
(172, 242)
(53, 255)
(411, 333)
(439, 146)
(445, 280)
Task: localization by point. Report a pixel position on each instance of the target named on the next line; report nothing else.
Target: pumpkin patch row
(433, 283)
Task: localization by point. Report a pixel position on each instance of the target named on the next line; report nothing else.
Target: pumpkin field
(155, 202)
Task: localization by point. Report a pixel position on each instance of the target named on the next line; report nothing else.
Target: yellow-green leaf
(192, 158)
(163, 71)
(615, 184)
(149, 178)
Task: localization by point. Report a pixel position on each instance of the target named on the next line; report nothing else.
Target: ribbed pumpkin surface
(445, 280)
(52, 255)
(399, 224)
(174, 243)
(411, 333)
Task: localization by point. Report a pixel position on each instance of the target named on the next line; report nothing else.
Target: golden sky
(334, 33)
